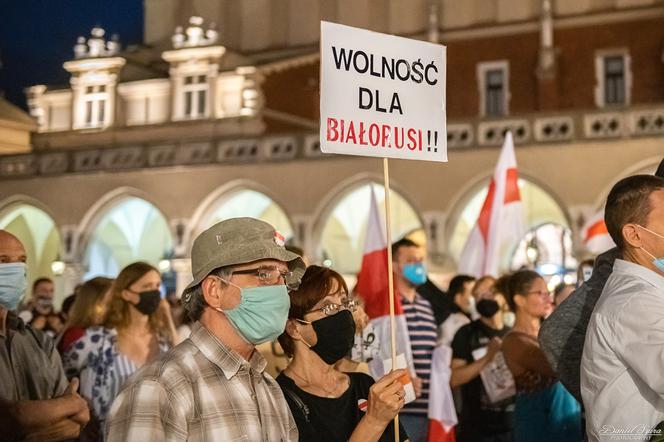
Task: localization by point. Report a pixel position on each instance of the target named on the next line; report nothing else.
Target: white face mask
(587, 273)
(509, 318)
(472, 308)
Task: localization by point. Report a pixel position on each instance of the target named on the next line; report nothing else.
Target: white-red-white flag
(372, 286)
(596, 236)
(442, 414)
(501, 223)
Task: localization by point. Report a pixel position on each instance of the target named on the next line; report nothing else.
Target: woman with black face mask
(137, 329)
(329, 405)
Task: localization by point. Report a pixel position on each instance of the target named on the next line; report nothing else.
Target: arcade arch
(549, 230)
(343, 228)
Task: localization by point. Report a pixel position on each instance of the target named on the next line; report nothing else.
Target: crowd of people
(121, 362)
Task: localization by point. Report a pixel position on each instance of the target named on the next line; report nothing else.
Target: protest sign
(381, 95)
(496, 376)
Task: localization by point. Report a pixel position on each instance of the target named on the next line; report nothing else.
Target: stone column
(177, 101)
(434, 226)
(433, 34)
(72, 276)
(182, 269)
(547, 90)
(302, 236)
(579, 215)
(181, 237)
(211, 104)
(252, 92)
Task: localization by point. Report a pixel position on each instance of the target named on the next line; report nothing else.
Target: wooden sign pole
(390, 277)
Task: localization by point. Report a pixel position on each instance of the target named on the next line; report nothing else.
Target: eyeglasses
(332, 309)
(272, 276)
(542, 293)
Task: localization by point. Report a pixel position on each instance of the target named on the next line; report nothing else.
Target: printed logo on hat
(279, 239)
(219, 241)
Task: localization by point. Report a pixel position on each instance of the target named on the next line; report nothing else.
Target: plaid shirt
(201, 391)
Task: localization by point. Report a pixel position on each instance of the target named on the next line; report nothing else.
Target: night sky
(37, 36)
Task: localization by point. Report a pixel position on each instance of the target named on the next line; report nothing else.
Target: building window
(195, 96)
(493, 80)
(95, 101)
(613, 78)
(495, 92)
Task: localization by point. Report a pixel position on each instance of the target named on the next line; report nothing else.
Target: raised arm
(386, 398)
(464, 372)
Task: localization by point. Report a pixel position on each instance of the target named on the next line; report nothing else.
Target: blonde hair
(84, 312)
(118, 311)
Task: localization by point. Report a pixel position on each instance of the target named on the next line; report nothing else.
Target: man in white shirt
(622, 368)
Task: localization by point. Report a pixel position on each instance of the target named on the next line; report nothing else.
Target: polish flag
(501, 223)
(372, 286)
(595, 235)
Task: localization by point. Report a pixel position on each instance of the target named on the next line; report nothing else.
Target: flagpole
(390, 277)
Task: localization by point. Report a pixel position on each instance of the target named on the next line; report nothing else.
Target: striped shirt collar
(223, 357)
(416, 299)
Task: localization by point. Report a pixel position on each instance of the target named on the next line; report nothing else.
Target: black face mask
(487, 308)
(335, 334)
(148, 302)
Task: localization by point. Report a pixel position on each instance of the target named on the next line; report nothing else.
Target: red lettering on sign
(385, 136)
(373, 134)
(332, 134)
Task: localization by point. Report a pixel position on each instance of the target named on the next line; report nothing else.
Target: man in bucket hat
(213, 386)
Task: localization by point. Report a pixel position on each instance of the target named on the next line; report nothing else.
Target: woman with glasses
(327, 404)
(544, 411)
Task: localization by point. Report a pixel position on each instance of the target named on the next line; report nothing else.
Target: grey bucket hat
(238, 241)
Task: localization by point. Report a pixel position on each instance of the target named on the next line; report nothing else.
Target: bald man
(35, 401)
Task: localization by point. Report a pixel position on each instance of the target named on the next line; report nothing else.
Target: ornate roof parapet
(96, 46)
(195, 35)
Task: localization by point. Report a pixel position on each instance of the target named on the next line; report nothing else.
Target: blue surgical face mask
(415, 273)
(13, 283)
(657, 262)
(262, 313)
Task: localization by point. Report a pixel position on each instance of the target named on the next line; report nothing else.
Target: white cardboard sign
(496, 376)
(408, 388)
(381, 95)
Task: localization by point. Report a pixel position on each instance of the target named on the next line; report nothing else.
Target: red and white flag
(501, 223)
(596, 236)
(442, 414)
(372, 286)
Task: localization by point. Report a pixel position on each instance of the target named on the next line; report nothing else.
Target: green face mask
(262, 313)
